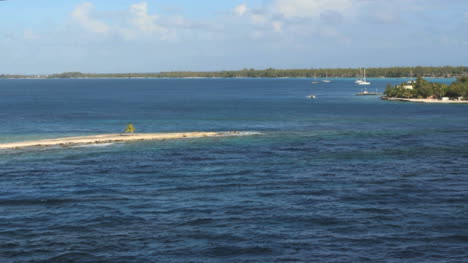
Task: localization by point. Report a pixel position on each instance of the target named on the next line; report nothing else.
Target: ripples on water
(351, 189)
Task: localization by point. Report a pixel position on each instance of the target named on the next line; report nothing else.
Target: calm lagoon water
(341, 178)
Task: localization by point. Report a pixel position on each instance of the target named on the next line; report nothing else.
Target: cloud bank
(274, 33)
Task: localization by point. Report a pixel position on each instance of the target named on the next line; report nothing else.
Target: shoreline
(426, 100)
(114, 138)
(368, 94)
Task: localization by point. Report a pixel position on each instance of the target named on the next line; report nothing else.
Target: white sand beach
(112, 138)
(427, 100)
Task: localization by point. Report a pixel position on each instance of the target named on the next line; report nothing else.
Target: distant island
(390, 72)
(421, 90)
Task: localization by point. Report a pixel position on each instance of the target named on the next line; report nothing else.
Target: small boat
(312, 97)
(315, 79)
(363, 81)
(326, 80)
(364, 92)
(358, 81)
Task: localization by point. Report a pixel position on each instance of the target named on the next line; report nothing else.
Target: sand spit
(113, 138)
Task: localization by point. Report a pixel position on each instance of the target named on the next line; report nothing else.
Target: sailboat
(364, 81)
(326, 80)
(315, 79)
(359, 81)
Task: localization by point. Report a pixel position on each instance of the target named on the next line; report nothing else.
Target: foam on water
(93, 145)
(242, 133)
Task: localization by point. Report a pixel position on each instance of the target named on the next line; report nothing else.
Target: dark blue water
(341, 178)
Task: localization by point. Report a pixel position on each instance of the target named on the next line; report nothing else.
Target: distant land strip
(115, 138)
(390, 72)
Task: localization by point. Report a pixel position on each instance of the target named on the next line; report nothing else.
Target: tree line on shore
(423, 89)
(391, 72)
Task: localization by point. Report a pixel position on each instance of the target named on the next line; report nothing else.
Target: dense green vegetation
(421, 89)
(393, 72)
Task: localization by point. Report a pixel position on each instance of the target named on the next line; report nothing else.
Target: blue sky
(48, 36)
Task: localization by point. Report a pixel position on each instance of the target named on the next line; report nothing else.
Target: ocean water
(340, 178)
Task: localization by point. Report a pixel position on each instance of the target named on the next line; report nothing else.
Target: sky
(105, 36)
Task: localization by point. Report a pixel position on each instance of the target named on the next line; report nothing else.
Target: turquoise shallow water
(341, 178)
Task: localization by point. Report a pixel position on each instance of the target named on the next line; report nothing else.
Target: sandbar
(113, 138)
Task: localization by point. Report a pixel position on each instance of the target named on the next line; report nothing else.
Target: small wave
(199, 221)
(202, 235)
(74, 257)
(248, 133)
(456, 238)
(197, 158)
(238, 251)
(241, 133)
(42, 201)
(294, 149)
(375, 210)
(93, 145)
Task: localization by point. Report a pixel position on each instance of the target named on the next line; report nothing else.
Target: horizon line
(231, 70)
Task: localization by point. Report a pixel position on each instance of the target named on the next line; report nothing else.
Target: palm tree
(130, 129)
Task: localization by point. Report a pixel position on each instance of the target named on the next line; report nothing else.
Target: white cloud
(277, 26)
(9, 36)
(258, 19)
(132, 23)
(256, 34)
(180, 21)
(82, 15)
(287, 16)
(28, 34)
(143, 21)
(309, 8)
(331, 17)
(333, 33)
(387, 17)
(241, 10)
